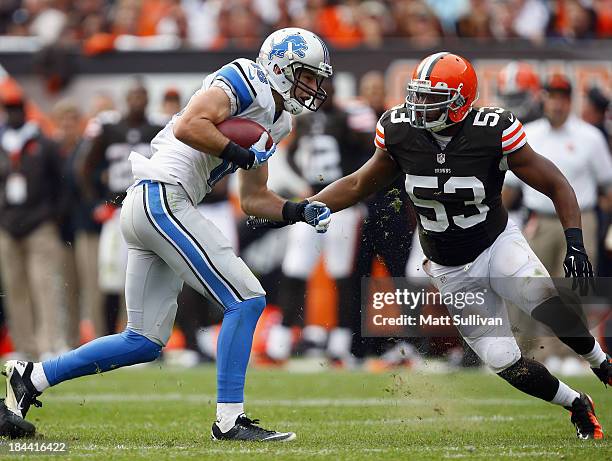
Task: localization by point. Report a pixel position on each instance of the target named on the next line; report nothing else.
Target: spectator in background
(102, 102)
(105, 176)
(79, 230)
(572, 20)
(530, 19)
(125, 17)
(67, 119)
(340, 24)
(502, 20)
(449, 12)
(603, 11)
(87, 229)
(415, 20)
(50, 19)
(202, 22)
(595, 109)
(239, 27)
(518, 89)
(476, 22)
(174, 21)
(170, 105)
(581, 153)
(375, 23)
(30, 249)
(372, 92)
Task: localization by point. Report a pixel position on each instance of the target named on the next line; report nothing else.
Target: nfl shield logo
(441, 158)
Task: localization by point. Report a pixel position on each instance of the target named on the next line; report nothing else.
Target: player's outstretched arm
(377, 173)
(541, 174)
(257, 200)
(255, 197)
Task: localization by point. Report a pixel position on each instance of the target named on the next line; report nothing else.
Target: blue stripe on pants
(190, 251)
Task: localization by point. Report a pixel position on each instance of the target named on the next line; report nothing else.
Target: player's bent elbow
(181, 129)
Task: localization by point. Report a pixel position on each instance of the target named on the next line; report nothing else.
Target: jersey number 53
(441, 223)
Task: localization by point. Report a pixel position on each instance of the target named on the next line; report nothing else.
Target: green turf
(157, 413)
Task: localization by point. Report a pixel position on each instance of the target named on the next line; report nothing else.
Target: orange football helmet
(517, 77)
(442, 91)
(518, 90)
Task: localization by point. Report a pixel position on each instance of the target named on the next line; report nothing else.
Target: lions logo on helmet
(286, 55)
(297, 43)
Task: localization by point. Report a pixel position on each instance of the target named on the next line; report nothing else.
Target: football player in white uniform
(170, 242)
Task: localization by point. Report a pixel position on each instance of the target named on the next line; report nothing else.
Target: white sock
(38, 377)
(596, 356)
(278, 345)
(339, 344)
(227, 414)
(315, 334)
(565, 395)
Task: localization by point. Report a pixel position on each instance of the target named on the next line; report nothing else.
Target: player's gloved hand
(259, 151)
(317, 214)
(576, 263)
(251, 158)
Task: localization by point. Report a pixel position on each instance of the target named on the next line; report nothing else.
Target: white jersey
(174, 162)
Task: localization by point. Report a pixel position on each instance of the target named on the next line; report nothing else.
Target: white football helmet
(285, 54)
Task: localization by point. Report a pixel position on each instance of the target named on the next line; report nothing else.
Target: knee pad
(499, 353)
(142, 348)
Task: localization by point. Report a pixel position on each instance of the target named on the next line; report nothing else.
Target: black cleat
(604, 372)
(20, 392)
(584, 419)
(14, 426)
(246, 429)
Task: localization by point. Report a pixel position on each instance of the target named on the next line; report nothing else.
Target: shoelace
(252, 423)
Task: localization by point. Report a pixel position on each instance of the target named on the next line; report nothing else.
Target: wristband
(294, 212)
(238, 155)
(573, 236)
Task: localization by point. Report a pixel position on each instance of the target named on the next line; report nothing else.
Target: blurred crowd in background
(103, 25)
(63, 176)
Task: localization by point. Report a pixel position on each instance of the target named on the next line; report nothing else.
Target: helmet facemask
(428, 107)
(317, 95)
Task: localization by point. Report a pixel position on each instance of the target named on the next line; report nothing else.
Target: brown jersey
(455, 189)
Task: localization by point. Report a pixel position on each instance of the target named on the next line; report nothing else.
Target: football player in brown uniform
(454, 158)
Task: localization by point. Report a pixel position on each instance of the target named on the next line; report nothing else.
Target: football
(242, 131)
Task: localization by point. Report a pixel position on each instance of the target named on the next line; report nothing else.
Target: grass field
(157, 413)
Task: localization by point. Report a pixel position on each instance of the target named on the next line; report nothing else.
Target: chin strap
(441, 127)
(293, 107)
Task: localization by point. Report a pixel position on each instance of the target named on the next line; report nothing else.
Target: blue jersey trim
(187, 248)
(231, 76)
